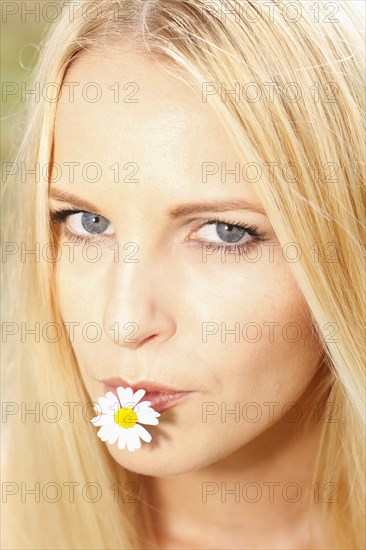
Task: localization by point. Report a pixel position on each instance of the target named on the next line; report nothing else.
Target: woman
(196, 215)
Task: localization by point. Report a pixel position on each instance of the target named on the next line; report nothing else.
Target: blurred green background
(21, 36)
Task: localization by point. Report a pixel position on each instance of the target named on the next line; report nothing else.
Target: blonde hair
(321, 133)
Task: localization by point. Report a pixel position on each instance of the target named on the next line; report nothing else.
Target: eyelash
(58, 217)
(227, 248)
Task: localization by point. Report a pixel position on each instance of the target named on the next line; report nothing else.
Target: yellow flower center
(125, 417)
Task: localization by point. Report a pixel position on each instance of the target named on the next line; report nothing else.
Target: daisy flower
(121, 418)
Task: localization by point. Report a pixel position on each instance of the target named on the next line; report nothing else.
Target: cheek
(80, 294)
(74, 286)
(252, 332)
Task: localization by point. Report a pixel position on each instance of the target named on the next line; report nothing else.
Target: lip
(161, 397)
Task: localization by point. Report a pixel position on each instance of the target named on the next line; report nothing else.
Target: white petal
(133, 441)
(102, 420)
(114, 433)
(113, 403)
(149, 410)
(142, 407)
(146, 415)
(150, 420)
(102, 404)
(98, 420)
(145, 406)
(104, 432)
(139, 394)
(131, 405)
(122, 439)
(144, 434)
(137, 440)
(124, 395)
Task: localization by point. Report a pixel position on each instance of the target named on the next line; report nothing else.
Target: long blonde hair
(317, 133)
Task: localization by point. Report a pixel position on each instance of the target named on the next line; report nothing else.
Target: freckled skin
(170, 292)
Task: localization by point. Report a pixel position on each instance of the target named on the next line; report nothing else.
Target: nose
(138, 307)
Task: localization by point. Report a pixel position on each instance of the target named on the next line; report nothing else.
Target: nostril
(150, 338)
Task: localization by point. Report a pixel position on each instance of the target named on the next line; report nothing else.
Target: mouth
(161, 397)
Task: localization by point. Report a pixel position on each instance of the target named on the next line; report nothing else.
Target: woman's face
(230, 327)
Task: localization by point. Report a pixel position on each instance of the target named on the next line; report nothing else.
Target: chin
(154, 460)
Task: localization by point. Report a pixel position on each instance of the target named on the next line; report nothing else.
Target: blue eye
(232, 237)
(225, 231)
(232, 233)
(93, 223)
(80, 225)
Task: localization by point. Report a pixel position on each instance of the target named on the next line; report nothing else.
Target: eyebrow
(177, 212)
(214, 206)
(64, 196)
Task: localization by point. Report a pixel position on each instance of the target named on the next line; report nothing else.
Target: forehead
(119, 106)
(125, 98)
